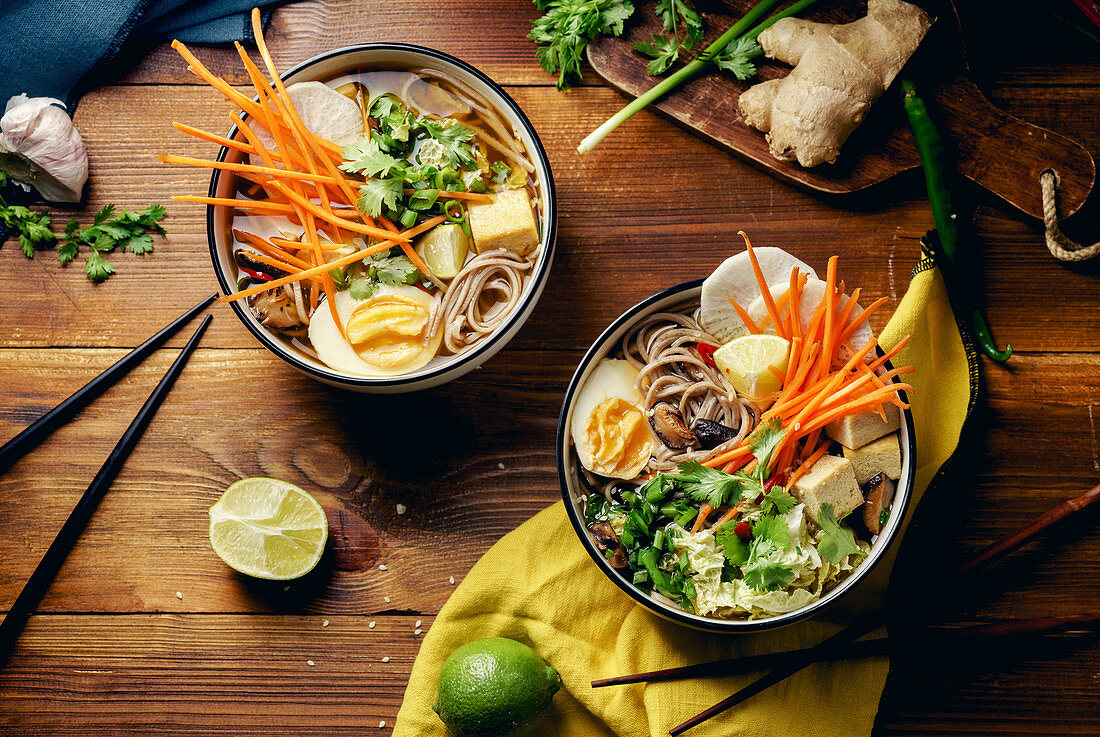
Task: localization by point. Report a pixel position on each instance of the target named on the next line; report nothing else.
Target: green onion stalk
(694, 67)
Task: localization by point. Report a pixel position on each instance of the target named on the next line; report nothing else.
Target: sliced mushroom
(711, 434)
(618, 560)
(246, 260)
(604, 534)
(878, 492)
(275, 309)
(668, 425)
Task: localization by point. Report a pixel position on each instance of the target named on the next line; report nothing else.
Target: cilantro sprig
(567, 26)
(390, 268)
(111, 229)
(839, 541)
(683, 27)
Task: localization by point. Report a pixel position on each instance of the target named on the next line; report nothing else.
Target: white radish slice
(734, 278)
(325, 113)
(812, 294)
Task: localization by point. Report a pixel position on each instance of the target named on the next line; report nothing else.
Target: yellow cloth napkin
(539, 586)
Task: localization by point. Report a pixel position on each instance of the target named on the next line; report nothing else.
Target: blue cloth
(60, 48)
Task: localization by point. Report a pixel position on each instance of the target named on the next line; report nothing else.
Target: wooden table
(146, 631)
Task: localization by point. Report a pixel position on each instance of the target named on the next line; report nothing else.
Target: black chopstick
(18, 446)
(832, 646)
(862, 648)
(51, 562)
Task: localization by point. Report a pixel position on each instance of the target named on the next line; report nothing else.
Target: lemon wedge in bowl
(268, 528)
(750, 364)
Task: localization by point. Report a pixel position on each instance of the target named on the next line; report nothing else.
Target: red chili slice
(779, 478)
(743, 531)
(257, 275)
(706, 352)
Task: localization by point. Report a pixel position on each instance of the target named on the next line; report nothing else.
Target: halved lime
(268, 528)
(750, 362)
(444, 249)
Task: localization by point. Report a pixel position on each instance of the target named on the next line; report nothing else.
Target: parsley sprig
(683, 27)
(566, 28)
(390, 268)
(110, 230)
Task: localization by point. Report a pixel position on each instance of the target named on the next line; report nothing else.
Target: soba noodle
(663, 349)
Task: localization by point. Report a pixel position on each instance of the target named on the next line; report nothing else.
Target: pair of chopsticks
(15, 448)
(843, 645)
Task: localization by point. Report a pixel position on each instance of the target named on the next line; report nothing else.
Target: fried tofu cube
(506, 222)
(882, 455)
(855, 431)
(831, 480)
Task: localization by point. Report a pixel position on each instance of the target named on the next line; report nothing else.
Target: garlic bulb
(40, 147)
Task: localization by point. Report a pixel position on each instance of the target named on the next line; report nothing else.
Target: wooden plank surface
(116, 651)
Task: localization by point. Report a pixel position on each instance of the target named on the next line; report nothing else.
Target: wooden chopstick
(51, 562)
(18, 446)
(861, 648)
(830, 647)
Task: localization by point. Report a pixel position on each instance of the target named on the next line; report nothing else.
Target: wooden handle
(1005, 155)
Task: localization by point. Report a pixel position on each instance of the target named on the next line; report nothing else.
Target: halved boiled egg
(609, 426)
(386, 334)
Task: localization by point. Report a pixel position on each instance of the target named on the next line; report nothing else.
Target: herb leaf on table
(566, 28)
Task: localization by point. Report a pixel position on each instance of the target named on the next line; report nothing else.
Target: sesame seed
(383, 567)
(179, 595)
(386, 659)
(325, 623)
(382, 724)
(451, 580)
(417, 632)
(371, 625)
(386, 599)
(418, 623)
(401, 509)
(310, 663)
(500, 466)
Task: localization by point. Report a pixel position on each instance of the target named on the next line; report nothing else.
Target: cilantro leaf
(455, 140)
(393, 270)
(773, 530)
(365, 157)
(737, 57)
(566, 28)
(363, 288)
(103, 215)
(141, 243)
(839, 541)
(709, 484)
(766, 575)
(763, 442)
(778, 500)
(673, 13)
(377, 192)
(662, 51)
(98, 268)
(70, 246)
(733, 547)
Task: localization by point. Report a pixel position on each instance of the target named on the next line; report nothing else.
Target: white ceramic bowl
(574, 490)
(395, 56)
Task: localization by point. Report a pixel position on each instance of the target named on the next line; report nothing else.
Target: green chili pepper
(930, 149)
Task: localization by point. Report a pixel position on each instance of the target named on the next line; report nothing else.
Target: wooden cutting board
(998, 151)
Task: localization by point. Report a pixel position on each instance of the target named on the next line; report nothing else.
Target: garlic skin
(40, 147)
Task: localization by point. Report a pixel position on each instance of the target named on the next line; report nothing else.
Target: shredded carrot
(795, 291)
(701, 519)
(315, 271)
(266, 247)
(806, 465)
(749, 323)
(862, 317)
(249, 168)
(765, 292)
(727, 517)
(329, 217)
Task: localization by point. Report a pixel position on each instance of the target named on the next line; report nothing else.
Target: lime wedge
(749, 363)
(268, 528)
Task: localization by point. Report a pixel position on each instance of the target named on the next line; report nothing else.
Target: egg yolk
(618, 437)
(388, 331)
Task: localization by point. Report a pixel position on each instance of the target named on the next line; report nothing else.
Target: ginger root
(839, 72)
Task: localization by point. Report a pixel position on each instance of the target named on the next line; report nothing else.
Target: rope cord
(1060, 246)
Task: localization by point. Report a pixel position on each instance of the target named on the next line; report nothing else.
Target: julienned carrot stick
(298, 245)
(796, 296)
(752, 326)
(415, 258)
(230, 166)
(271, 250)
(315, 271)
(852, 407)
(828, 347)
(341, 222)
(806, 465)
(862, 317)
(728, 516)
(765, 292)
(846, 313)
(230, 202)
(780, 303)
(701, 518)
(741, 451)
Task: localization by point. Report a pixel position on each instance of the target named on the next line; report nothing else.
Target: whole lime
(494, 687)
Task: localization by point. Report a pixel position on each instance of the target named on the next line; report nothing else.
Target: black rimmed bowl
(574, 491)
(384, 56)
